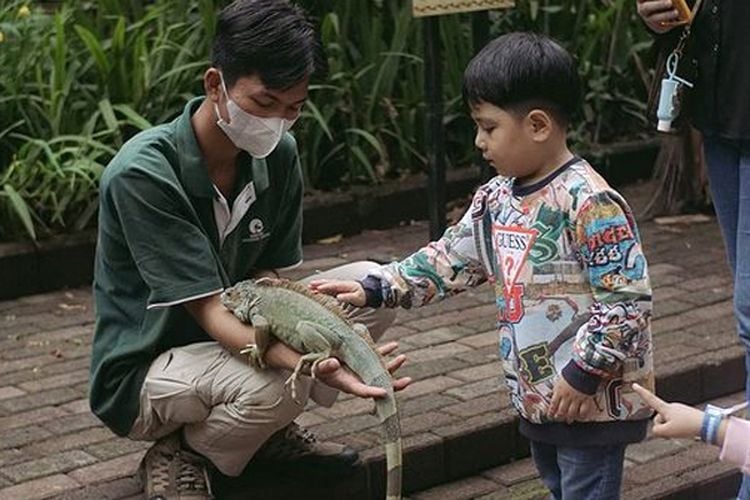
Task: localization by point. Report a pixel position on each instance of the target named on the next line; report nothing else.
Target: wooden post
(431, 10)
(480, 35)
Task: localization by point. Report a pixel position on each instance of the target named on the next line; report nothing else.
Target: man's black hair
(272, 39)
(518, 72)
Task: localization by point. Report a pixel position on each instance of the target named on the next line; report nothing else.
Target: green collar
(192, 167)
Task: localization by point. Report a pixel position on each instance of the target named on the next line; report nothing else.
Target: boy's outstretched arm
(442, 268)
(619, 326)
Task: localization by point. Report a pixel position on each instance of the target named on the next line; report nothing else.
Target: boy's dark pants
(580, 473)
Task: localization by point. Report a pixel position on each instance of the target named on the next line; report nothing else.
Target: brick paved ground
(456, 417)
(655, 469)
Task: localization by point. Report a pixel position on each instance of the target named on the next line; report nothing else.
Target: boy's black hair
(522, 71)
(273, 39)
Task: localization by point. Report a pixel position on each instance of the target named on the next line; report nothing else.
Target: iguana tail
(388, 415)
(360, 354)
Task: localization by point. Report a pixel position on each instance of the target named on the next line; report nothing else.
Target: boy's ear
(539, 125)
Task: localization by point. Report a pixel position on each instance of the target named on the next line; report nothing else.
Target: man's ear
(539, 125)
(212, 84)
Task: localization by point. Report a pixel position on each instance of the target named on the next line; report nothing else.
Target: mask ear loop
(226, 95)
(223, 84)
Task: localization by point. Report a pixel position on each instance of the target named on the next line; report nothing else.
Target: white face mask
(257, 135)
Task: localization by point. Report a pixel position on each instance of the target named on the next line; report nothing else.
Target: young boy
(562, 253)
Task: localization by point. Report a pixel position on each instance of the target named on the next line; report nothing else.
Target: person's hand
(672, 420)
(334, 374)
(657, 14)
(569, 404)
(350, 292)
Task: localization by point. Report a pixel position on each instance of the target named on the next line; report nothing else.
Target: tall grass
(86, 76)
(365, 123)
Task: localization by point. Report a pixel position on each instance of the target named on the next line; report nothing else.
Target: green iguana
(316, 326)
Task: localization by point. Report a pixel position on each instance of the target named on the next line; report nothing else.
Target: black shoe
(296, 447)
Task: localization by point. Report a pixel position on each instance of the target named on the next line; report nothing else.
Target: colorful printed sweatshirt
(564, 259)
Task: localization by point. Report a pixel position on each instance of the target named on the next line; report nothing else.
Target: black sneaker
(296, 446)
(169, 472)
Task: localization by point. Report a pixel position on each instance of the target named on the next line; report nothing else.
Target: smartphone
(685, 14)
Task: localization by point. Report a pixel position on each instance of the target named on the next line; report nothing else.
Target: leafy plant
(365, 123)
(87, 75)
(54, 187)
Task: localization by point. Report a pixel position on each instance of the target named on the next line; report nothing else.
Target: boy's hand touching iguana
(350, 292)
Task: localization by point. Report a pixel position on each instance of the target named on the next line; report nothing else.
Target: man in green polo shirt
(187, 209)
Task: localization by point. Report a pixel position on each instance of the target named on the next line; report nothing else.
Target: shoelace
(160, 471)
(191, 474)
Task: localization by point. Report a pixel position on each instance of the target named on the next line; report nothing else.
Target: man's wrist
(280, 355)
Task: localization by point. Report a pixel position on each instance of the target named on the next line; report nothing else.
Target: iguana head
(239, 299)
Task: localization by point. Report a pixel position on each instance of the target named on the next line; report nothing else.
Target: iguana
(316, 326)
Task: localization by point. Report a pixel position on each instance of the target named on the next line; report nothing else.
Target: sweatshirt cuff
(373, 291)
(735, 450)
(579, 379)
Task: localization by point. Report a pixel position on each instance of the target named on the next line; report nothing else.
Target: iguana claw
(294, 377)
(256, 352)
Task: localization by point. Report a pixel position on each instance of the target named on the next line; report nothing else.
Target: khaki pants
(226, 408)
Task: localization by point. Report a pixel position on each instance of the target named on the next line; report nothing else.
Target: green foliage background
(81, 77)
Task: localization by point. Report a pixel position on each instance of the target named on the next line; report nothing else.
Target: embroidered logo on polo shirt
(256, 228)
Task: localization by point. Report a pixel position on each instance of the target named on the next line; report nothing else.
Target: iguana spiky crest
(325, 300)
